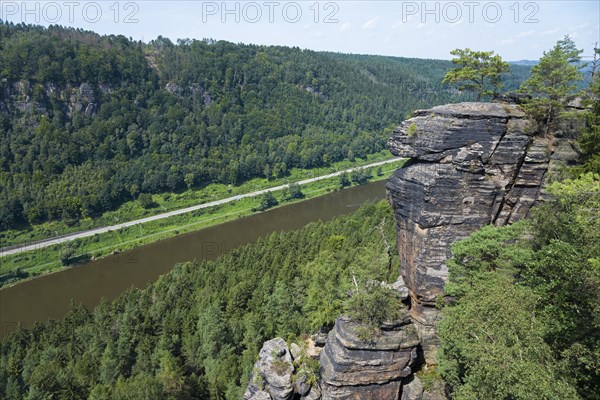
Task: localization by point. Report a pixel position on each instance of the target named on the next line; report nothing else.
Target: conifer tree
(478, 71)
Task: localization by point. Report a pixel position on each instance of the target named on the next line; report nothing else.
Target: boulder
(413, 389)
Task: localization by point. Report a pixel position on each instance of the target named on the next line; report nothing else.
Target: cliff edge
(472, 164)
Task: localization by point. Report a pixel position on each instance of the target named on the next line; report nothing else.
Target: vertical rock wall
(472, 164)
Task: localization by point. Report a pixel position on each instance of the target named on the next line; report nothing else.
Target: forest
(525, 321)
(521, 316)
(195, 333)
(88, 122)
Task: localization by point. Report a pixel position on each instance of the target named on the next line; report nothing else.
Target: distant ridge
(524, 62)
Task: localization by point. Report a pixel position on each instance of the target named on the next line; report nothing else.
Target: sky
(517, 30)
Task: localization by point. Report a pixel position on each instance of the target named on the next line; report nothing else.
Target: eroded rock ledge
(472, 164)
(351, 368)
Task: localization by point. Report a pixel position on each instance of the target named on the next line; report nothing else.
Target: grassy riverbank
(15, 268)
(165, 202)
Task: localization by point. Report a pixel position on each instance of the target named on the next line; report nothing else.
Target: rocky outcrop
(412, 389)
(354, 369)
(26, 97)
(272, 374)
(281, 374)
(472, 164)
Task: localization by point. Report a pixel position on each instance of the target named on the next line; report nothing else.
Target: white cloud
(506, 41)
(345, 26)
(525, 34)
(550, 32)
(580, 26)
(421, 25)
(371, 23)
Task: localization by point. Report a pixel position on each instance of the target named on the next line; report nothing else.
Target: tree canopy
(478, 71)
(526, 320)
(553, 82)
(195, 333)
(117, 118)
(590, 137)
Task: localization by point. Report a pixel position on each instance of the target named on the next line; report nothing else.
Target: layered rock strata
(354, 369)
(472, 164)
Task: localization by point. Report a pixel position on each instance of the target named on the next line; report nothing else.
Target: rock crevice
(472, 164)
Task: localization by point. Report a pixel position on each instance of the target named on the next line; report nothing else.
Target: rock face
(413, 389)
(353, 369)
(280, 374)
(72, 99)
(272, 376)
(472, 164)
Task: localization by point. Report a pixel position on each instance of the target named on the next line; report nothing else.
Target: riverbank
(166, 202)
(18, 267)
(51, 296)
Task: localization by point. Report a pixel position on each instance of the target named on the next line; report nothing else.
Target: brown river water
(50, 296)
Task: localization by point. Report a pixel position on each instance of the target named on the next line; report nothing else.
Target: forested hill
(196, 332)
(88, 121)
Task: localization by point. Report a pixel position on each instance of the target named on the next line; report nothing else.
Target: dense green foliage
(371, 305)
(292, 192)
(195, 333)
(478, 71)
(267, 200)
(590, 138)
(526, 322)
(553, 82)
(159, 117)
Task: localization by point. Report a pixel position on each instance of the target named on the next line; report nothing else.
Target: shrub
(412, 129)
(146, 201)
(371, 306)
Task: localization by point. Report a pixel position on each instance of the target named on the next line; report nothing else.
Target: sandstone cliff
(72, 99)
(471, 164)
(352, 368)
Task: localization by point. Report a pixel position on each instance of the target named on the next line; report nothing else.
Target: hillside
(91, 121)
(196, 331)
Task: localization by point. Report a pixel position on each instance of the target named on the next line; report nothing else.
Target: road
(6, 251)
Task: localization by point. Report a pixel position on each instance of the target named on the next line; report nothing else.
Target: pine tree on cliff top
(479, 71)
(552, 81)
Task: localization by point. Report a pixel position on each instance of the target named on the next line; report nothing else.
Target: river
(50, 296)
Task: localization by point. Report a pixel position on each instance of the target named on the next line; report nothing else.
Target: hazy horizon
(515, 30)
